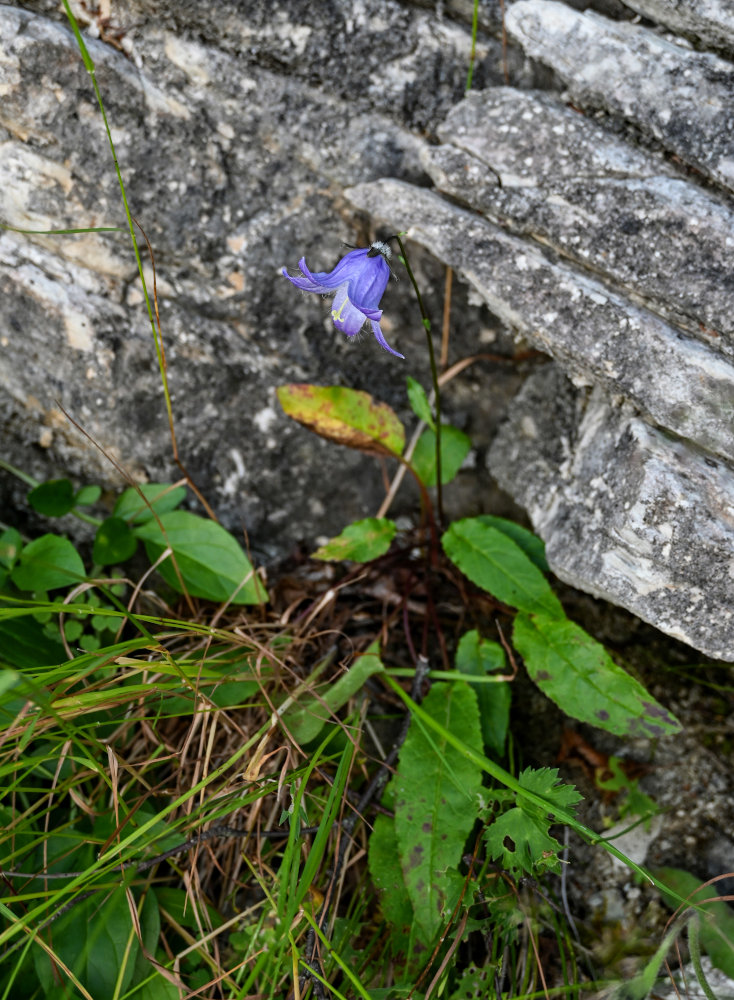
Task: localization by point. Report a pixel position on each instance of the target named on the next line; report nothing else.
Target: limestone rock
(264, 133)
(626, 512)
(235, 132)
(707, 21)
(595, 333)
(557, 177)
(679, 96)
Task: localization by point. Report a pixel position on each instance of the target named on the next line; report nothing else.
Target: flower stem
(434, 375)
(473, 53)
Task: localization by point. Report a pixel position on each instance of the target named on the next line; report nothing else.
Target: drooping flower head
(357, 284)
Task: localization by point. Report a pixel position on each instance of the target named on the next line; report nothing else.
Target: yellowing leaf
(346, 416)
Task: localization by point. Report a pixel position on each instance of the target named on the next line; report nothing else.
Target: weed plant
(221, 786)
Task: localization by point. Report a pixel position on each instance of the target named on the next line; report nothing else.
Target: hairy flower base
(357, 284)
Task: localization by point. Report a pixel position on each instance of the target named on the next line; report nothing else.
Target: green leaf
(578, 674)
(233, 694)
(307, 717)
(92, 939)
(480, 657)
(73, 628)
(177, 904)
(114, 542)
(151, 985)
(520, 838)
(87, 496)
(361, 542)
(211, 563)
(717, 920)
(419, 402)
(53, 498)
(48, 562)
(436, 789)
(496, 563)
(10, 546)
(346, 416)
(387, 876)
(532, 546)
(162, 497)
(455, 447)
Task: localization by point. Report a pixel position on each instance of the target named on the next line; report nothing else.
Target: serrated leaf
(435, 802)
(522, 844)
(48, 562)
(307, 717)
(361, 542)
(493, 561)
(419, 402)
(211, 563)
(579, 675)
(717, 919)
(162, 497)
(544, 781)
(478, 656)
(114, 542)
(455, 446)
(346, 416)
(532, 546)
(520, 838)
(53, 498)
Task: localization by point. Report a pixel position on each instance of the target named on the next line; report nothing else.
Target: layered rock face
(598, 223)
(586, 207)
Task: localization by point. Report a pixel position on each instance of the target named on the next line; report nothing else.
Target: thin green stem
(473, 53)
(89, 66)
(434, 375)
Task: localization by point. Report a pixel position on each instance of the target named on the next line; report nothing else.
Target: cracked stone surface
(706, 21)
(236, 135)
(605, 489)
(582, 194)
(679, 96)
(595, 333)
(525, 160)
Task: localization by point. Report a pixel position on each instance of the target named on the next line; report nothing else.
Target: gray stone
(620, 211)
(595, 333)
(679, 96)
(708, 21)
(648, 519)
(235, 134)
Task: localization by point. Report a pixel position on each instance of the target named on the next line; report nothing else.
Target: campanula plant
(357, 282)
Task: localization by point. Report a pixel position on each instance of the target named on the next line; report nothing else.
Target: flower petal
(344, 313)
(368, 284)
(308, 282)
(382, 342)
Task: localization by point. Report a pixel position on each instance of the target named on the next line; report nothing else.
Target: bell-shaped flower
(357, 284)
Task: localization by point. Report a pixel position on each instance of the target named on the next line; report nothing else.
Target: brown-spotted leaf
(347, 416)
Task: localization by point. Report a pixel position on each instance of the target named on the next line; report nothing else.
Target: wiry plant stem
(434, 375)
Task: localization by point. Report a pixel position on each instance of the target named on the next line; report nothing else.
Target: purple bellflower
(357, 284)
